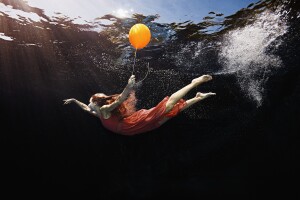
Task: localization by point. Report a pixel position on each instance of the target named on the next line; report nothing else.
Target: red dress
(143, 120)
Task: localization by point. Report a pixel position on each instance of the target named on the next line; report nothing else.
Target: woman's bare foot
(202, 79)
(204, 95)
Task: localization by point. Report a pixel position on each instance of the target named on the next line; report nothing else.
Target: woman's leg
(174, 98)
(199, 96)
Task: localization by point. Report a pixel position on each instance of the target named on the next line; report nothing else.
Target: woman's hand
(131, 81)
(68, 101)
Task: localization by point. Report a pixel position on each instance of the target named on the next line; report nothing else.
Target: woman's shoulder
(104, 108)
(104, 112)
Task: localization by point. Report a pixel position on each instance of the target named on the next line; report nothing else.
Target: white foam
(245, 52)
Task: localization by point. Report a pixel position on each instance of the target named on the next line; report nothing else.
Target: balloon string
(134, 69)
(145, 75)
(134, 62)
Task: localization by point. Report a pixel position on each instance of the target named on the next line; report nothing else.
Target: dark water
(242, 143)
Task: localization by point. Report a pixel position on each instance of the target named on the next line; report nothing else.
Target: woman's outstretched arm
(81, 105)
(122, 97)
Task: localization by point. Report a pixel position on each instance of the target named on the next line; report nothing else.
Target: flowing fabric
(143, 120)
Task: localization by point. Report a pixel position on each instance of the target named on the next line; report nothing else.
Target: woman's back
(143, 120)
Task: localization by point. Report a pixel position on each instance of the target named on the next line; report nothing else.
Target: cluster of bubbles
(246, 53)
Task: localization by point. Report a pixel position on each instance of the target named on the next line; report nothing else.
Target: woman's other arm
(81, 105)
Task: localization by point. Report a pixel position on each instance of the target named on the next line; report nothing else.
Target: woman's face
(92, 106)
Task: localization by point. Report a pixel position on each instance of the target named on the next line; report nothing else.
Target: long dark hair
(123, 110)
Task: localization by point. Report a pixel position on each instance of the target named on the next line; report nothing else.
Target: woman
(117, 112)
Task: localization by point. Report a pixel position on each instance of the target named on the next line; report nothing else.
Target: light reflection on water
(242, 44)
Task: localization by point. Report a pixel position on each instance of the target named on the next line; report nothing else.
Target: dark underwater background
(242, 143)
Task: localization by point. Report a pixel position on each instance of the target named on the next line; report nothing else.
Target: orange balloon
(139, 36)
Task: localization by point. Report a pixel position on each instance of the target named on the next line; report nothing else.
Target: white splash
(245, 52)
(4, 37)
